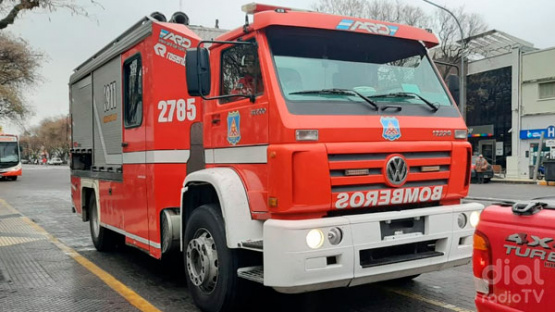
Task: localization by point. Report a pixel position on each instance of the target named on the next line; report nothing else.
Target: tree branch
(22, 5)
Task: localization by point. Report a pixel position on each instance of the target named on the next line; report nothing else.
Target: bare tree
(447, 30)
(18, 70)
(443, 24)
(11, 9)
(383, 10)
(50, 136)
(355, 8)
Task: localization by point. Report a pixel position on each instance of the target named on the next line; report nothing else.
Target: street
(43, 195)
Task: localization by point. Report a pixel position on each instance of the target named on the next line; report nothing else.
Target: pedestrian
(481, 166)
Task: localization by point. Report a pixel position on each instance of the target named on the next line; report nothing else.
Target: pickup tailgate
(520, 272)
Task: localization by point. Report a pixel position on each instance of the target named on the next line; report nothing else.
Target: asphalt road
(43, 195)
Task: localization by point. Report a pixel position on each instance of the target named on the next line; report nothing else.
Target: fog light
(315, 238)
(461, 220)
(335, 236)
(474, 218)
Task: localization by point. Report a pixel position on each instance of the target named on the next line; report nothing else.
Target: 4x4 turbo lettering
(530, 251)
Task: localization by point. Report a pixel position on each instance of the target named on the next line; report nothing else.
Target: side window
(133, 92)
(240, 72)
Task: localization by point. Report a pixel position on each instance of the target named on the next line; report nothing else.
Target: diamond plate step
(257, 245)
(254, 273)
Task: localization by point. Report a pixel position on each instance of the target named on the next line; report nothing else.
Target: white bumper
(290, 266)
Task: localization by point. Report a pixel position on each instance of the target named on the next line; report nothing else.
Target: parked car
(514, 258)
(488, 174)
(24, 161)
(55, 161)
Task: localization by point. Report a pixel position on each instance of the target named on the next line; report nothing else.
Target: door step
(257, 245)
(254, 274)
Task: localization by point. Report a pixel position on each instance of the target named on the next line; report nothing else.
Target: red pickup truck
(514, 257)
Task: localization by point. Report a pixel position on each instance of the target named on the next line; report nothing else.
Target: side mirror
(197, 68)
(454, 86)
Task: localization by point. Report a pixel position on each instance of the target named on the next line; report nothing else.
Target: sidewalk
(39, 273)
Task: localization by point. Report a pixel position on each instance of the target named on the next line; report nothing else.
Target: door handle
(216, 119)
(124, 144)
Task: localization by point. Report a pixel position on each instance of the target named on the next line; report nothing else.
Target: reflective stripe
(157, 157)
(237, 155)
(132, 236)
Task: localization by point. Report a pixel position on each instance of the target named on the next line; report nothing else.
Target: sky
(67, 41)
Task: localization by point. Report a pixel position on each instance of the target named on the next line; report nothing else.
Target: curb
(549, 183)
(513, 181)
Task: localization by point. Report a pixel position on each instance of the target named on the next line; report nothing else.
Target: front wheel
(210, 267)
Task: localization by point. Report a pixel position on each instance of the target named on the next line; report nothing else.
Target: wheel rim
(94, 221)
(202, 261)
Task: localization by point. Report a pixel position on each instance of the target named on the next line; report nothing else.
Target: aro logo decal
(180, 42)
(374, 28)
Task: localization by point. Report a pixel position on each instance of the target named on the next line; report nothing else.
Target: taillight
(482, 264)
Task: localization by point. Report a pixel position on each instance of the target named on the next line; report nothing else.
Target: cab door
(238, 127)
(134, 193)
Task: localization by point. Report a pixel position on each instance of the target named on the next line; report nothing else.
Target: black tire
(486, 180)
(103, 239)
(14, 178)
(211, 274)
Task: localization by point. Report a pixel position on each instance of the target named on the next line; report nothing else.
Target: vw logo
(396, 171)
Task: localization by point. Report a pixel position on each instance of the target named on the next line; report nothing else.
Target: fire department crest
(391, 129)
(233, 127)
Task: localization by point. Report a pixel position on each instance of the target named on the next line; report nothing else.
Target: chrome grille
(376, 162)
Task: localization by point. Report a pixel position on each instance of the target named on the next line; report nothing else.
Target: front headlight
(315, 238)
(474, 218)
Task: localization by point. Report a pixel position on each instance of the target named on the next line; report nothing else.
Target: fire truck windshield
(8, 152)
(386, 70)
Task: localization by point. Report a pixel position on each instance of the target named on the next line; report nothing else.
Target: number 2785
(180, 109)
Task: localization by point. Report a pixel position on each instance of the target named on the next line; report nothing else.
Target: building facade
(511, 102)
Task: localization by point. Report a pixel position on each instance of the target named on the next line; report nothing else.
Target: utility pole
(462, 76)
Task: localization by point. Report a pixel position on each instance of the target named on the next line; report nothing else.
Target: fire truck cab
(301, 150)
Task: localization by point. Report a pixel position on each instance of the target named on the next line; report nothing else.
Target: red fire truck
(301, 150)
(10, 162)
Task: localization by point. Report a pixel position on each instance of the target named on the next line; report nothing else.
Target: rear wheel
(211, 267)
(14, 178)
(103, 239)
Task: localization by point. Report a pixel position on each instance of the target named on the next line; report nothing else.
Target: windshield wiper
(340, 92)
(433, 106)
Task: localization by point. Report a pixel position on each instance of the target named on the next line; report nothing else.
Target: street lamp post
(462, 76)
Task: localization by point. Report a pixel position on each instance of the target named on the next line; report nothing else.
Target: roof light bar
(253, 7)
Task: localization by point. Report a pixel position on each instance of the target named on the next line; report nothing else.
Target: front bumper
(290, 266)
(10, 173)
